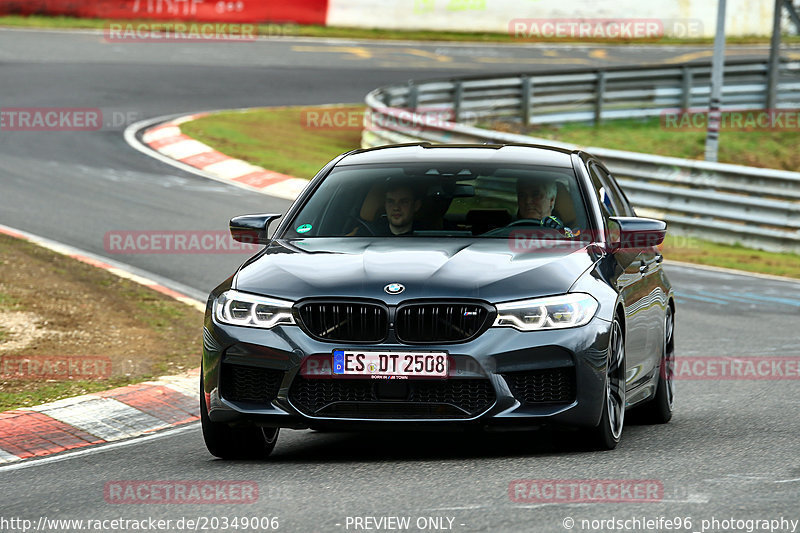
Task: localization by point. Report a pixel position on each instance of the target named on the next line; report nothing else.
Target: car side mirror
(631, 233)
(252, 229)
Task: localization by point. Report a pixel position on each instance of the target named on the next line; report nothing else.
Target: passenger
(402, 205)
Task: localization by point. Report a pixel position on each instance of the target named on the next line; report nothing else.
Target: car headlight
(553, 312)
(240, 309)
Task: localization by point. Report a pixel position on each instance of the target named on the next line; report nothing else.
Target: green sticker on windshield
(303, 228)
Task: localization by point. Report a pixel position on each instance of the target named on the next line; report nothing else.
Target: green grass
(39, 21)
(156, 313)
(279, 139)
(768, 149)
(691, 250)
(164, 331)
(49, 392)
(8, 301)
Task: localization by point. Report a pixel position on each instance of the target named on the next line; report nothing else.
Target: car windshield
(430, 200)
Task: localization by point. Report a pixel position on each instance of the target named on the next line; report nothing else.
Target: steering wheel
(521, 222)
(525, 222)
(363, 223)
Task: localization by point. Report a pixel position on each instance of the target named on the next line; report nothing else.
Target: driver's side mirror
(252, 229)
(635, 233)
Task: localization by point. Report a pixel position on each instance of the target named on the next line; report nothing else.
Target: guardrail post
(601, 92)
(413, 96)
(458, 97)
(793, 16)
(525, 101)
(774, 68)
(686, 90)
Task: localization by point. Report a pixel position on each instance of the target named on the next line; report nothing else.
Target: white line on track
(132, 140)
(732, 271)
(29, 463)
(119, 268)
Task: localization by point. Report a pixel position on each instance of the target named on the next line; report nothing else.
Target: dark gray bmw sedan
(442, 286)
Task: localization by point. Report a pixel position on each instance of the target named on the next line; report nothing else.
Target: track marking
(537, 60)
(429, 55)
(98, 449)
(358, 51)
(732, 271)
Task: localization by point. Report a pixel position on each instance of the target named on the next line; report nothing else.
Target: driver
(535, 201)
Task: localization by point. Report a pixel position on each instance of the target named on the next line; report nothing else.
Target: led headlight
(240, 309)
(553, 312)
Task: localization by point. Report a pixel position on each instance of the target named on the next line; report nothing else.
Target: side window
(609, 201)
(624, 204)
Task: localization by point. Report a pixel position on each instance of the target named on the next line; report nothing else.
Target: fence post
(413, 96)
(601, 92)
(774, 68)
(686, 91)
(525, 101)
(458, 97)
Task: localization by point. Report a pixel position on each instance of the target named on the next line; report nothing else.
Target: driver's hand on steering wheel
(552, 222)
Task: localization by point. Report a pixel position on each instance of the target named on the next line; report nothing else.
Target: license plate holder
(380, 364)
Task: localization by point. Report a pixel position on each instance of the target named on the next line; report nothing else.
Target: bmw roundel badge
(394, 288)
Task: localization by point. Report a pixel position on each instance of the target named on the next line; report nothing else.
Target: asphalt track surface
(731, 451)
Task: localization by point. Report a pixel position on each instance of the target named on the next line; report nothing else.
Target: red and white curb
(98, 418)
(168, 140)
(106, 416)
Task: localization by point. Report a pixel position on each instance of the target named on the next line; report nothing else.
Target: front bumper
(494, 357)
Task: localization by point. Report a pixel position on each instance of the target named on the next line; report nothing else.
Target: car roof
(473, 153)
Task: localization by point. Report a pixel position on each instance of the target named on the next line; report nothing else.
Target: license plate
(386, 364)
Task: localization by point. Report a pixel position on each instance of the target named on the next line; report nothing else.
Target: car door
(653, 312)
(632, 281)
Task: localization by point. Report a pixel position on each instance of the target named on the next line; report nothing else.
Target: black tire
(228, 442)
(658, 410)
(608, 432)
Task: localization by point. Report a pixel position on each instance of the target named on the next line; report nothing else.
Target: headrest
(373, 203)
(564, 208)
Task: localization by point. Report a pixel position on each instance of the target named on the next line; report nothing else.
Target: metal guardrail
(579, 95)
(756, 207)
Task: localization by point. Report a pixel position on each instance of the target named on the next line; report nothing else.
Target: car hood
(487, 269)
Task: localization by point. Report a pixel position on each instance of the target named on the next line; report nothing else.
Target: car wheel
(607, 434)
(659, 409)
(228, 442)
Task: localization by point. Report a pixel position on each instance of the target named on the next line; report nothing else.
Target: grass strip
(296, 30)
